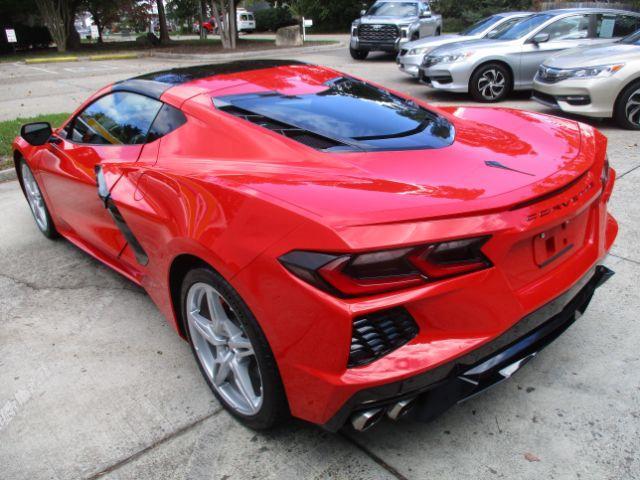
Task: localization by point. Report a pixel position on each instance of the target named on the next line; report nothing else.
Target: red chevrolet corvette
(332, 250)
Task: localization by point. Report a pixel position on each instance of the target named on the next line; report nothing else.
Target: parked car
(601, 82)
(330, 249)
(412, 54)
(389, 24)
(490, 69)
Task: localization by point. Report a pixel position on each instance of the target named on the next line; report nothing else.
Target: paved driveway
(94, 383)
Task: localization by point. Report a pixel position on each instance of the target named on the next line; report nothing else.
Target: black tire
(415, 36)
(622, 107)
(438, 32)
(274, 409)
(480, 87)
(48, 229)
(358, 54)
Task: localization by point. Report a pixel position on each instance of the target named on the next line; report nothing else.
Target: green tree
(104, 12)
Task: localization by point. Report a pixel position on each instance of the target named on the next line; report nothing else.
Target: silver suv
(490, 69)
(391, 23)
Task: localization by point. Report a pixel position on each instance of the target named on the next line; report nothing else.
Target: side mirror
(36, 133)
(363, 13)
(425, 14)
(540, 38)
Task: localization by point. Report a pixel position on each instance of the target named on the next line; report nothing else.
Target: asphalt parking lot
(94, 383)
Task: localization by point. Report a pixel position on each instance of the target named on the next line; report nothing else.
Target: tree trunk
(73, 38)
(55, 14)
(233, 25)
(203, 10)
(162, 20)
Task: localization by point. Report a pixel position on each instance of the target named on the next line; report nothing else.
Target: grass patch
(9, 129)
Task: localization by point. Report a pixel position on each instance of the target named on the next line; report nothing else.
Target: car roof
(563, 11)
(156, 84)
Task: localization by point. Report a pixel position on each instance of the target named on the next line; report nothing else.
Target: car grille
(378, 33)
(379, 333)
(403, 52)
(550, 75)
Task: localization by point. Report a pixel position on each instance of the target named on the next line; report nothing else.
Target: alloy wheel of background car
(231, 350)
(358, 54)
(627, 111)
(36, 202)
(490, 83)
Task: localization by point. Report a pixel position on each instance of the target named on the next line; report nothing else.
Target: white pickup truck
(389, 24)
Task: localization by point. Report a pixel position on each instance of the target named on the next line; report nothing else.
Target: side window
(569, 28)
(167, 120)
(495, 31)
(615, 26)
(119, 118)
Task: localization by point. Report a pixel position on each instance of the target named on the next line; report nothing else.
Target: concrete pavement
(93, 382)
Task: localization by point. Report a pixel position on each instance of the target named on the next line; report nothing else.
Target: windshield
(633, 39)
(520, 29)
(481, 25)
(394, 9)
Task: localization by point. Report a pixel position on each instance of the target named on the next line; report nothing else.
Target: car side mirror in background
(363, 13)
(425, 15)
(540, 38)
(36, 133)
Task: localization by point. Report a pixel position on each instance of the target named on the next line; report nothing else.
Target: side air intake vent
(310, 139)
(379, 333)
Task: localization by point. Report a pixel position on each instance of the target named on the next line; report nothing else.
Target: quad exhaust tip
(400, 409)
(366, 419)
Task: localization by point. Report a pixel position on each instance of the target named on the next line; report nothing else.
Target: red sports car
(332, 250)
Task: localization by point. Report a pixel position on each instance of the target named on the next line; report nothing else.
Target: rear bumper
(440, 388)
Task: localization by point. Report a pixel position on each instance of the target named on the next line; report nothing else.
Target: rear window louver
(305, 137)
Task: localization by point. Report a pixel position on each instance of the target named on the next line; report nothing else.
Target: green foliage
(468, 12)
(271, 19)
(335, 15)
(183, 12)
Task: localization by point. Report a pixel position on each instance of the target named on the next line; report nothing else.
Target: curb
(114, 56)
(251, 53)
(8, 174)
(29, 61)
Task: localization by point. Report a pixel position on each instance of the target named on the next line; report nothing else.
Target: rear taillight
(352, 275)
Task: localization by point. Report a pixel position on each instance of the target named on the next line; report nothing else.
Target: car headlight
(436, 59)
(419, 51)
(590, 72)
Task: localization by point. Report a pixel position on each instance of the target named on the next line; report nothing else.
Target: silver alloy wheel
(223, 349)
(632, 109)
(491, 84)
(34, 197)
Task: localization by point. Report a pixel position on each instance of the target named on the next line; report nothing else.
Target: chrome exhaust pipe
(366, 419)
(398, 410)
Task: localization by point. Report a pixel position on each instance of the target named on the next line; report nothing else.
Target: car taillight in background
(353, 275)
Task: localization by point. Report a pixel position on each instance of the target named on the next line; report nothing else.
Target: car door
(112, 128)
(427, 22)
(566, 32)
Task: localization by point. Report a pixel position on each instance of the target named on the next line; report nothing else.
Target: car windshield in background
(522, 28)
(354, 112)
(394, 9)
(481, 25)
(633, 39)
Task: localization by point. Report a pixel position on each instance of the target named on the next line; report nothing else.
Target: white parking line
(92, 68)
